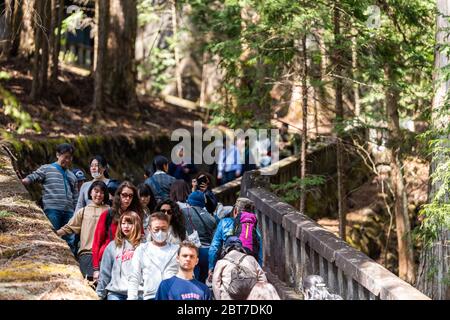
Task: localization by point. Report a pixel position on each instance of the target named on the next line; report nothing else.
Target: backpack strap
(233, 261)
(190, 219)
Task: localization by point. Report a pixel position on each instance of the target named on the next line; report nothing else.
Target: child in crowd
(84, 222)
(148, 203)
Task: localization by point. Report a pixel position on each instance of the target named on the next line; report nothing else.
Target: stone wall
(35, 264)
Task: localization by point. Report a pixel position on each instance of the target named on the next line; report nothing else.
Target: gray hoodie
(115, 269)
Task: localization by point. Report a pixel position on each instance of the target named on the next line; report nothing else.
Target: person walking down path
(203, 183)
(244, 208)
(177, 224)
(125, 199)
(199, 220)
(183, 286)
(160, 181)
(60, 192)
(184, 169)
(153, 261)
(148, 203)
(84, 223)
(99, 171)
(116, 262)
(229, 166)
(227, 282)
(81, 179)
(179, 192)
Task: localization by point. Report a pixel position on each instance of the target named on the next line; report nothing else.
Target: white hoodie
(152, 264)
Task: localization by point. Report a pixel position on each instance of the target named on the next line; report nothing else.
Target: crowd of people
(167, 238)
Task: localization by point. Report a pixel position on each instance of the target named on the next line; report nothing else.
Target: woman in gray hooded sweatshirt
(116, 261)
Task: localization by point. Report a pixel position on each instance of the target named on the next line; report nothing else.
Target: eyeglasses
(166, 211)
(127, 195)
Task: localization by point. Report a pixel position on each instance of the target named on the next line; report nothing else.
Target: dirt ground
(66, 108)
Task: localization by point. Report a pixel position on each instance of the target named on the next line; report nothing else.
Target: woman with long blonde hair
(116, 261)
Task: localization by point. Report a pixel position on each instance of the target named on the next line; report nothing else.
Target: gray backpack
(242, 280)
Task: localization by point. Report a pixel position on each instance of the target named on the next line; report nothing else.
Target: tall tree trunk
(28, 35)
(304, 62)
(46, 19)
(55, 39)
(5, 44)
(405, 248)
(322, 92)
(121, 67)
(339, 108)
(101, 42)
(434, 268)
(37, 61)
(176, 50)
(355, 73)
(16, 23)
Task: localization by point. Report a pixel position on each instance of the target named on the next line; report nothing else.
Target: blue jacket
(224, 230)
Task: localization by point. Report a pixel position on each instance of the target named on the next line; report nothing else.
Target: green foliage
(11, 107)
(291, 191)
(5, 214)
(158, 62)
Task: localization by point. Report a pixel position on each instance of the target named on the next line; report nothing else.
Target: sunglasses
(127, 195)
(165, 211)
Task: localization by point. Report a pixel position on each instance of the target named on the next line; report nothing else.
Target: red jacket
(102, 239)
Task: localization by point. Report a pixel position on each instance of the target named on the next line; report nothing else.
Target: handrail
(296, 246)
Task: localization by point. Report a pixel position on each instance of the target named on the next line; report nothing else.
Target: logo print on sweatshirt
(126, 256)
(186, 296)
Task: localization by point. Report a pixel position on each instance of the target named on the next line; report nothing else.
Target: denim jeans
(201, 269)
(86, 268)
(228, 176)
(116, 296)
(59, 218)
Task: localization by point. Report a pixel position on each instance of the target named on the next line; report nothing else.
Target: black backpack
(242, 280)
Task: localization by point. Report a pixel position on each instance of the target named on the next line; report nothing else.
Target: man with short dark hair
(153, 261)
(60, 192)
(160, 181)
(183, 286)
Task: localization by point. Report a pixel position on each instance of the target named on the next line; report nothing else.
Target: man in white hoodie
(153, 261)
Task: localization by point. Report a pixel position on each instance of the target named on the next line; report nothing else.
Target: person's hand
(60, 232)
(210, 275)
(25, 181)
(186, 170)
(219, 176)
(203, 186)
(237, 173)
(96, 275)
(194, 185)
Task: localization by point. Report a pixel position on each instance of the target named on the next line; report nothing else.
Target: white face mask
(160, 236)
(96, 175)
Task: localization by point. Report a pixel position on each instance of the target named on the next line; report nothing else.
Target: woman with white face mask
(99, 171)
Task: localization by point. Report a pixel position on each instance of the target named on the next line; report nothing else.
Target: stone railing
(295, 246)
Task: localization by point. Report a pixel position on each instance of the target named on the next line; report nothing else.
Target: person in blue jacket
(225, 228)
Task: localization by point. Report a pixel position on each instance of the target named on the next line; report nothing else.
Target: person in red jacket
(126, 198)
